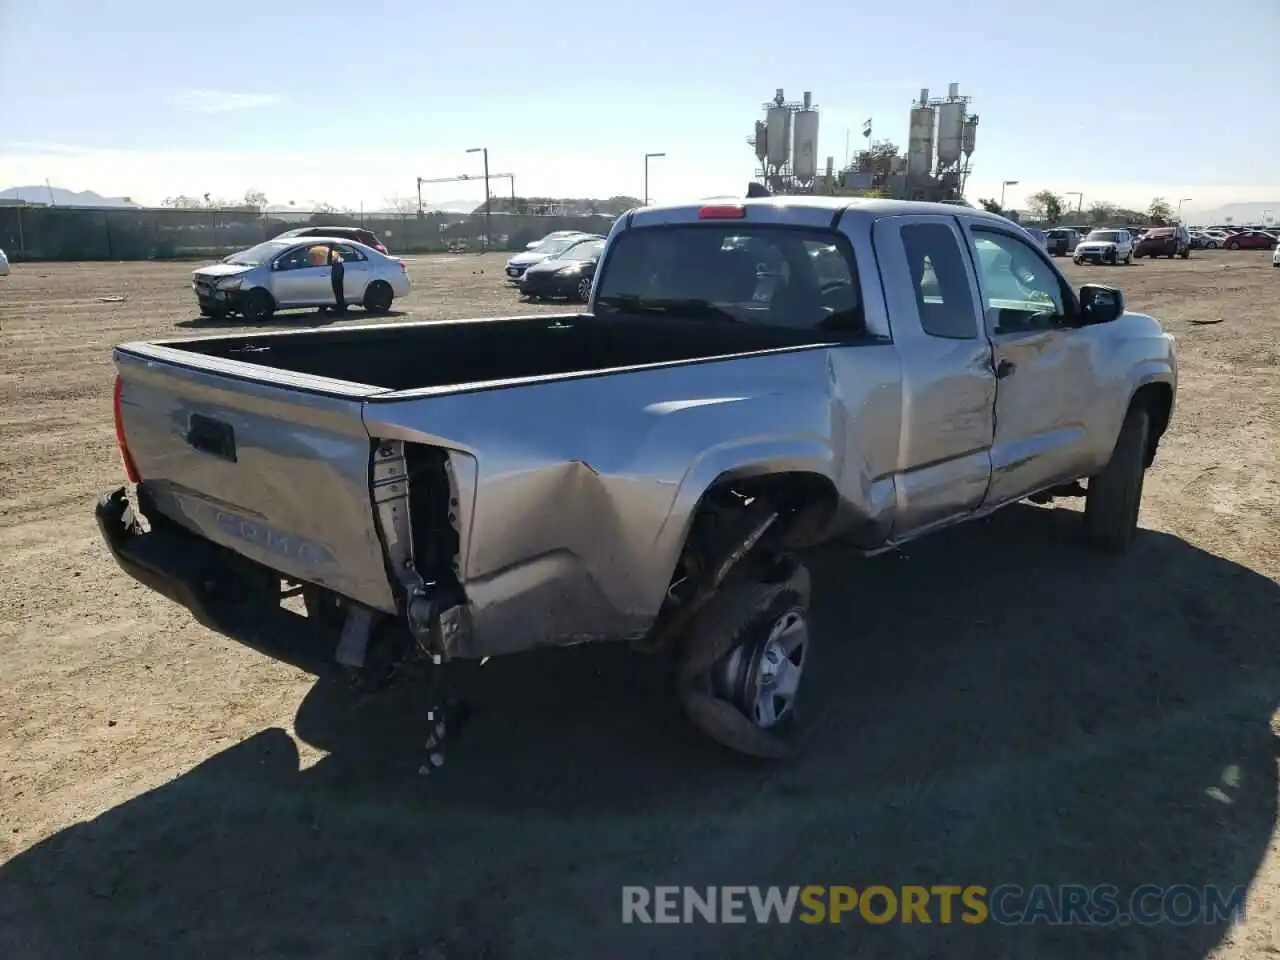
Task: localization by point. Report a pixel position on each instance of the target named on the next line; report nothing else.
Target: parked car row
(1234, 238)
(562, 265)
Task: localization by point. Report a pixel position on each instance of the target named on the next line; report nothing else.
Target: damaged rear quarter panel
(584, 487)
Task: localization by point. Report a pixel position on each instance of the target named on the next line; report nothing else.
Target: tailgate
(271, 464)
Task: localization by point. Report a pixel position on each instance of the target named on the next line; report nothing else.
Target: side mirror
(1100, 304)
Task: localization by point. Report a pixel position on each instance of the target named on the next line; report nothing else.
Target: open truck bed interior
(444, 353)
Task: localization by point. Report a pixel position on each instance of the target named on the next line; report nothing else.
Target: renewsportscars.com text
(1007, 904)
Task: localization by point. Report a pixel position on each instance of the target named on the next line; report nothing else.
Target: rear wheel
(1115, 495)
(1185, 253)
(582, 292)
(743, 661)
(1128, 259)
(378, 297)
(258, 306)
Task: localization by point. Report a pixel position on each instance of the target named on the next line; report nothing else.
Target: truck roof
(802, 204)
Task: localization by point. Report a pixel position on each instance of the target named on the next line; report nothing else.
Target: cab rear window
(770, 275)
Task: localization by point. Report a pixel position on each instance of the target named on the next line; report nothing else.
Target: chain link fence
(77, 233)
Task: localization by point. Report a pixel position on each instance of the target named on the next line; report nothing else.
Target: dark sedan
(568, 274)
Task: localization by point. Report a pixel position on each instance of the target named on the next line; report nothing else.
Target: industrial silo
(804, 162)
(969, 136)
(950, 132)
(778, 134)
(761, 141)
(920, 138)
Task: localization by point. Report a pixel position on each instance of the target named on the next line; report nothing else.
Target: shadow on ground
(996, 706)
(309, 318)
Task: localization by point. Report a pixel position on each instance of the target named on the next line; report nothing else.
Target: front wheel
(258, 306)
(743, 661)
(378, 297)
(1232, 245)
(1115, 495)
(1128, 259)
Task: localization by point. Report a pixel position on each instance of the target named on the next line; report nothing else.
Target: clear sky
(349, 102)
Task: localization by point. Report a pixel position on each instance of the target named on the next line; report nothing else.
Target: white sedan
(297, 272)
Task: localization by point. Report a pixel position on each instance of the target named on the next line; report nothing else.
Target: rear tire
(378, 297)
(258, 306)
(743, 661)
(1115, 495)
(582, 292)
(1232, 245)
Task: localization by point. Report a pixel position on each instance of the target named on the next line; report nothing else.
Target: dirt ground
(995, 705)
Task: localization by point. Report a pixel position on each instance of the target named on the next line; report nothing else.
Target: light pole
(646, 174)
(1079, 199)
(1180, 203)
(485, 151)
(1007, 183)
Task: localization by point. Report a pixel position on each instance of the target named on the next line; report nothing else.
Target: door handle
(1004, 368)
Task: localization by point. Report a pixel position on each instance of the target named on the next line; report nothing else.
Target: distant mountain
(1254, 211)
(59, 197)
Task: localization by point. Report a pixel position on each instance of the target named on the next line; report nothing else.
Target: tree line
(1047, 207)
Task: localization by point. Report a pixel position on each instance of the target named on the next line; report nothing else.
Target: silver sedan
(296, 272)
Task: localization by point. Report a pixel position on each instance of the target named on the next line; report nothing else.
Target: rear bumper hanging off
(224, 591)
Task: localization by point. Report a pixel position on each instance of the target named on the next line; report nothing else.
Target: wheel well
(1158, 400)
(263, 291)
(734, 524)
(804, 501)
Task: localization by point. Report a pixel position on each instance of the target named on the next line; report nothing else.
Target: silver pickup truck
(748, 379)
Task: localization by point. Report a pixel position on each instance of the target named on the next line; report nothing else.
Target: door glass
(940, 281)
(295, 259)
(1020, 292)
(349, 253)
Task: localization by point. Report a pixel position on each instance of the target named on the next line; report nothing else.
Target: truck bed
(407, 356)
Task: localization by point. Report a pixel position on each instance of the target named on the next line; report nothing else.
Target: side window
(1020, 292)
(349, 253)
(295, 259)
(940, 282)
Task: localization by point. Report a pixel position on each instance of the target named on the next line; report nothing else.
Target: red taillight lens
(723, 211)
(130, 470)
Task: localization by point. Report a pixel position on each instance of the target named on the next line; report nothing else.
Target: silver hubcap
(764, 678)
(584, 289)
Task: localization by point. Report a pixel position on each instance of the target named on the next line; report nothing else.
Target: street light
(1007, 183)
(1180, 203)
(646, 174)
(1079, 199)
(485, 151)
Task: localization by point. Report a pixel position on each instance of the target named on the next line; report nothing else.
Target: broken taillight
(130, 469)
